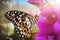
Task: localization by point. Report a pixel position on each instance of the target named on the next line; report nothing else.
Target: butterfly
(23, 21)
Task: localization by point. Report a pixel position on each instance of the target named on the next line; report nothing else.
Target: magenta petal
(40, 37)
(34, 1)
(59, 37)
(40, 25)
(50, 38)
(57, 27)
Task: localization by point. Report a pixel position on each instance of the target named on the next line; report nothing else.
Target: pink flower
(57, 24)
(45, 23)
(49, 21)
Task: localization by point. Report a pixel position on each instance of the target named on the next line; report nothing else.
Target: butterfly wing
(21, 20)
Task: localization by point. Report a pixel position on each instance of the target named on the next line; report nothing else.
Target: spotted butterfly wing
(23, 21)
